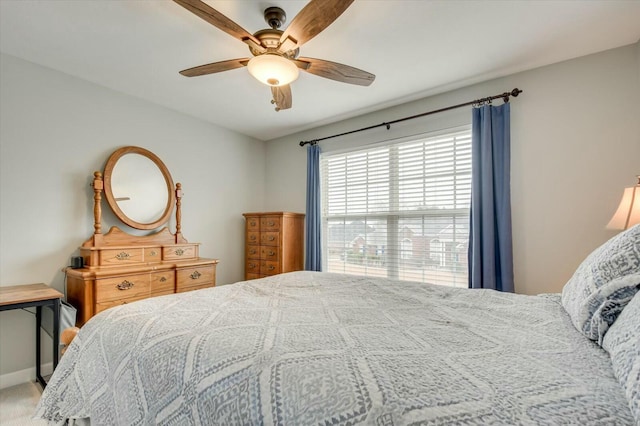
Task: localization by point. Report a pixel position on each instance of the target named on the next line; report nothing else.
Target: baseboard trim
(24, 376)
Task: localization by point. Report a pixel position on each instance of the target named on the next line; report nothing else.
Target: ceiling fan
(275, 60)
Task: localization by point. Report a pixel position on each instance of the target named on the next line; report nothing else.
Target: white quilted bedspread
(316, 348)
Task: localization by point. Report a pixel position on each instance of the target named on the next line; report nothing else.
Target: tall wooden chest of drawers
(274, 243)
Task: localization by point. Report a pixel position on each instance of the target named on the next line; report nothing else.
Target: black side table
(35, 295)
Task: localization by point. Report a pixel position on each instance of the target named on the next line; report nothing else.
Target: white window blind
(399, 211)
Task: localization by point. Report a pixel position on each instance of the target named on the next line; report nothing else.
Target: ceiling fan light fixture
(272, 69)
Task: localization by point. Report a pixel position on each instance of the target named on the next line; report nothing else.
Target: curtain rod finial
(515, 92)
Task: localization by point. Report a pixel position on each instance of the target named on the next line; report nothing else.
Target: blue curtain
(313, 220)
(490, 245)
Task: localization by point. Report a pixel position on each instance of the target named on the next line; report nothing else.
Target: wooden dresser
(274, 243)
(124, 269)
(117, 267)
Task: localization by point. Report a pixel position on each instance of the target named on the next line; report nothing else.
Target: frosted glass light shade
(628, 213)
(272, 70)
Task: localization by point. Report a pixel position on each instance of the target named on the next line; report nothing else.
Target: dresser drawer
(253, 237)
(125, 287)
(252, 266)
(253, 224)
(121, 256)
(201, 276)
(252, 252)
(269, 253)
(152, 254)
(106, 305)
(162, 282)
(252, 276)
(179, 252)
(270, 223)
(270, 238)
(269, 268)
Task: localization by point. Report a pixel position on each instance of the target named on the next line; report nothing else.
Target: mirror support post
(179, 213)
(97, 209)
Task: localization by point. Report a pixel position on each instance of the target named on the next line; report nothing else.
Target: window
(400, 210)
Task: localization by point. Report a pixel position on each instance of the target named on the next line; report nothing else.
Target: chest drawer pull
(123, 255)
(125, 285)
(195, 275)
(163, 279)
(271, 223)
(252, 251)
(179, 252)
(252, 238)
(271, 238)
(271, 253)
(253, 223)
(153, 253)
(271, 267)
(252, 265)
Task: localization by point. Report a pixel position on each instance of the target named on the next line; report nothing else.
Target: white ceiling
(415, 49)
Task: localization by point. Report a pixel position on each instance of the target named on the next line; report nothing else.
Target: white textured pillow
(623, 344)
(603, 284)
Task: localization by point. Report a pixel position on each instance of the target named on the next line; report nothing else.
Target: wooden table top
(27, 293)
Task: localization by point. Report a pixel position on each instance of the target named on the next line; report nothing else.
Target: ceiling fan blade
(281, 97)
(312, 19)
(303, 65)
(217, 19)
(338, 72)
(215, 67)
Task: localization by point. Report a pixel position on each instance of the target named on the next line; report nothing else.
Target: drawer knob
(252, 251)
(179, 252)
(271, 268)
(252, 265)
(123, 255)
(163, 279)
(153, 253)
(125, 285)
(272, 223)
(271, 252)
(271, 238)
(195, 275)
(252, 238)
(253, 223)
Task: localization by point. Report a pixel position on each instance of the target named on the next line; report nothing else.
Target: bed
(320, 348)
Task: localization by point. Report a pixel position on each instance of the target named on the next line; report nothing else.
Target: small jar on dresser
(274, 243)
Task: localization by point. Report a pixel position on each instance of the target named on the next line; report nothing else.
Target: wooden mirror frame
(108, 171)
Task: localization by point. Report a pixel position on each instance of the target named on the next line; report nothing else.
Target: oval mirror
(138, 187)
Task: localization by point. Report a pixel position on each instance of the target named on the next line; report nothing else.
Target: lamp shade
(273, 70)
(628, 213)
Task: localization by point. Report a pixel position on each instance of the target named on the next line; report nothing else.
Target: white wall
(575, 134)
(55, 131)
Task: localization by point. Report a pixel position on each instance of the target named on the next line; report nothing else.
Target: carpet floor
(18, 403)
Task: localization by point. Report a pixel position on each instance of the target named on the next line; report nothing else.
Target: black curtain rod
(504, 96)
